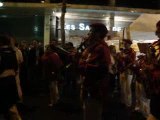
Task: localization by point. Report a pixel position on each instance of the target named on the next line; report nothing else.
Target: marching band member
(155, 82)
(93, 66)
(127, 58)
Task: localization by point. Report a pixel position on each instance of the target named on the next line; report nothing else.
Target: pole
(63, 22)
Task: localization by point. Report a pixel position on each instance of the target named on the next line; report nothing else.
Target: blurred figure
(71, 72)
(155, 82)
(24, 67)
(20, 61)
(34, 66)
(114, 76)
(51, 68)
(94, 67)
(127, 59)
(8, 87)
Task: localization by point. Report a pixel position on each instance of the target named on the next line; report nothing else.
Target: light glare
(1, 4)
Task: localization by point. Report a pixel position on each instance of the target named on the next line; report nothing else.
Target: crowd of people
(99, 70)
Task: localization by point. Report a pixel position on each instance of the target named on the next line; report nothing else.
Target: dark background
(23, 27)
(146, 4)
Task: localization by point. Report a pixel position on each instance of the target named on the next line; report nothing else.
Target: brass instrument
(150, 64)
(87, 42)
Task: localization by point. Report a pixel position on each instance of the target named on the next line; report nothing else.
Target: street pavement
(36, 107)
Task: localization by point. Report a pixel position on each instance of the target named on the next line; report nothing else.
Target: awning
(144, 27)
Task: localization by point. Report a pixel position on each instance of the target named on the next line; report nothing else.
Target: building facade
(28, 21)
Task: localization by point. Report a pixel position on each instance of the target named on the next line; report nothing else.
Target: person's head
(69, 46)
(35, 43)
(53, 42)
(112, 49)
(50, 48)
(4, 40)
(98, 31)
(158, 29)
(23, 44)
(127, 43)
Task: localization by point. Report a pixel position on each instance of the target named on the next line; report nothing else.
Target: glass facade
(23, 27)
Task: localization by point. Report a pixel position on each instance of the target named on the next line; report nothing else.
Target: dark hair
(128, 41)
(4, 40)
(99, 28)
(158, 24)
(111, 47)
(70, 44)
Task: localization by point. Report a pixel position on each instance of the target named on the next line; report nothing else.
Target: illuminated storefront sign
(82, 26)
